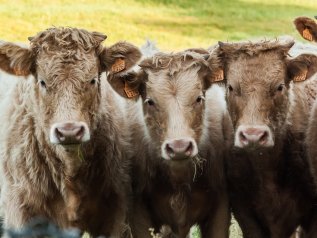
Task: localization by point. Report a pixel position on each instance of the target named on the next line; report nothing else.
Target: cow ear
(216, 68)
(130, 85)
(119, 58)
(302, 67)
(307, 28)
(15, 59)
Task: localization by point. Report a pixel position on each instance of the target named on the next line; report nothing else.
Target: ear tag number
(118, 66)
(130, 92)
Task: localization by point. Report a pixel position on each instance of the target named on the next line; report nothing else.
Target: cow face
(257, 77)
(172, 88)
(66, 64)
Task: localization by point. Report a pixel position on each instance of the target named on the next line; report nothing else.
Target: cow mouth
(181, 159)
(71, 147)
(70, 144)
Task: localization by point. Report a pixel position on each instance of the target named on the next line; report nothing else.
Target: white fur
(216, 106)
(302, 48)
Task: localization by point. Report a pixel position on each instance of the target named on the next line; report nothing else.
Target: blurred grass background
(173, 24)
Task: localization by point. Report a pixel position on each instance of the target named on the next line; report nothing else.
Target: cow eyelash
(149, 101)
(200, 99)
(230, 88)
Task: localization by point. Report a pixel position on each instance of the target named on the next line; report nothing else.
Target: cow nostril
(59, 135)
(242, 136)
(170, 150)
(80, 133)
(264, 137)
(189, 149)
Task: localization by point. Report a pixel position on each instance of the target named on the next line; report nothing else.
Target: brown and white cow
(270, 185)
(62, 133)
(179, 144)
(308, 30)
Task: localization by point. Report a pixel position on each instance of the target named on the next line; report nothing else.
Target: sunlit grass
(174, 24)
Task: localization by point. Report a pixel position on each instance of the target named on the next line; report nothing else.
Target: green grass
(174, 24)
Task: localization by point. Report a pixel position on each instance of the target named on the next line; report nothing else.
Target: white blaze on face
(178, 100)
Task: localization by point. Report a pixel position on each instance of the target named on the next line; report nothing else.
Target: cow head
(258, 79)
(172, 88)
(66, 64)
(307, 28)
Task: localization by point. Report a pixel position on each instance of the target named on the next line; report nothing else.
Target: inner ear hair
(302, 67)
(126, 85)
(16, 60)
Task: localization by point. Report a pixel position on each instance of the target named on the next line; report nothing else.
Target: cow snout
(179, 149)
(257, 135)
(69, 133)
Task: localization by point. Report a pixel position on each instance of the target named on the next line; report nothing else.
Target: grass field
(173, 24)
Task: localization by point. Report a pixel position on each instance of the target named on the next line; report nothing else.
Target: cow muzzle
(179, 149)
(257, 135)
(69, 133)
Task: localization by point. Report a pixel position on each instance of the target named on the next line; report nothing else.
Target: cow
(62, 135)
(270, 186)
(179, 145)
(308, 30)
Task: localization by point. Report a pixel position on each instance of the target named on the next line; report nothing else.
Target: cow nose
(69, 133)
(180, 149)
(259, 135)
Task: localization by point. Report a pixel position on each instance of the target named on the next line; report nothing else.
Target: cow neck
(274, 163)
(261, 160)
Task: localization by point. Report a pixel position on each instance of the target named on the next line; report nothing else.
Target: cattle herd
(122, 142)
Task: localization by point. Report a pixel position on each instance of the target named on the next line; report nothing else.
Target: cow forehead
(266, 68)
(182, 84)
(55, 65)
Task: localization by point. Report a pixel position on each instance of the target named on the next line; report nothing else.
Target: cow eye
(280, 87)
(93, 81)
(200, 99)
(149, 101)
(43, 84)
(230, 88)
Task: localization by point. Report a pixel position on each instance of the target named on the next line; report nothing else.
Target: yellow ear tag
(218, 76)
(301, 77)
(130, 92)
(118, 66)
(307, 35)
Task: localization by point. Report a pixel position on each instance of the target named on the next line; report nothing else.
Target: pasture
(173, 24)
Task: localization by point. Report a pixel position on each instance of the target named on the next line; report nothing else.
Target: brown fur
(302, 23)
(311, 136)
(178, 193)
(86, 185)
(271, 189)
